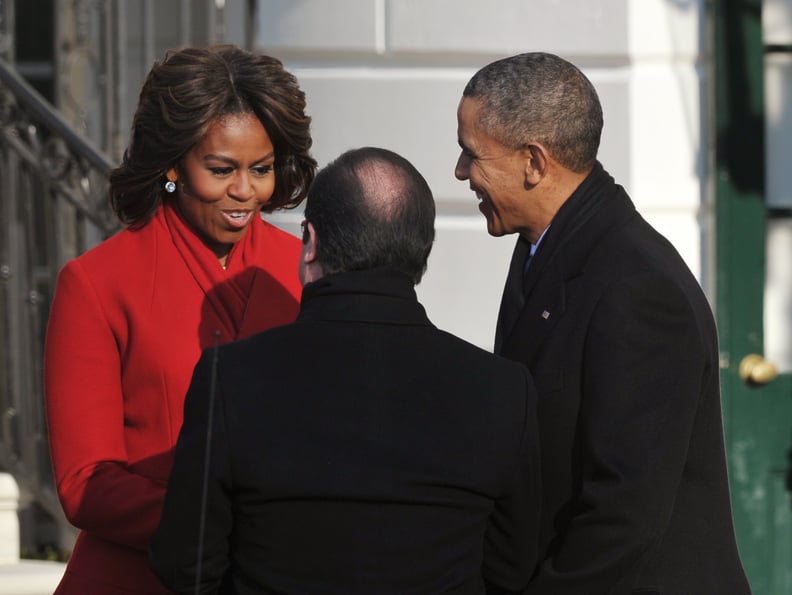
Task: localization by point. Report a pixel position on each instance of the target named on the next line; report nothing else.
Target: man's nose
(462, 168)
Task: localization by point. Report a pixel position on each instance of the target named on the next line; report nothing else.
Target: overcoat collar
(597, 206)
(379, 296)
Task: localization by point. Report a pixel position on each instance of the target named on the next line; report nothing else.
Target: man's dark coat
(623, 348)
(358, 450)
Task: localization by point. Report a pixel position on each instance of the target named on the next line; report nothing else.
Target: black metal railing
(54, 161)
(53, 206)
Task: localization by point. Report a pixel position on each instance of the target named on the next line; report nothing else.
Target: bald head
(384, 187)
(372, 209)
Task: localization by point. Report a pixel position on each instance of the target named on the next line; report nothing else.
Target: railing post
(9, 522)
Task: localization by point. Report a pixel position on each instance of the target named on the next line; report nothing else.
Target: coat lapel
(596, 207)
(545, 304)
(513, 299)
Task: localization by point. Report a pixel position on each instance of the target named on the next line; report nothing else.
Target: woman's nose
(242, 188)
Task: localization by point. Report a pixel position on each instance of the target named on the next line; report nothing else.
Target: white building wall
(391, 72)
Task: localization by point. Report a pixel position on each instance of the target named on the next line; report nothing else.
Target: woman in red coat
(219, 136)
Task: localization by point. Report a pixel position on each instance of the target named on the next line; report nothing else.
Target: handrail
(53, 206)
(51, 119)
(42, 138)
(54, 194)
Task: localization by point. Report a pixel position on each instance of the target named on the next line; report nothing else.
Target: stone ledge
(30, 577)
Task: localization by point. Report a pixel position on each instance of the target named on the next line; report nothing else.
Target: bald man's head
(372, 209)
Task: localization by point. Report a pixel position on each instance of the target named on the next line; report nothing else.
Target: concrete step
(30, 577)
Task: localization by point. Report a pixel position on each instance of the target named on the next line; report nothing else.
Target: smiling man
(620, 340)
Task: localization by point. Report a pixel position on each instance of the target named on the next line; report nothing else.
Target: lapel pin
(545, 314)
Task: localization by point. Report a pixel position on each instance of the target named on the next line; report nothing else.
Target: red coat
(128, 322)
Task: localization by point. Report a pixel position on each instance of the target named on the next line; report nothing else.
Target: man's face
(495, 172)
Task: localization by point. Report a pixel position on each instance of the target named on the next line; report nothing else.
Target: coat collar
(595, 209)
(377, 296)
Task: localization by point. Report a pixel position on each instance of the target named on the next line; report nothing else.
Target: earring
(170, 187)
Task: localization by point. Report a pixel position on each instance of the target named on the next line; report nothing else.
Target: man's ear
(309, 270)
(536, 161)
(309, 249)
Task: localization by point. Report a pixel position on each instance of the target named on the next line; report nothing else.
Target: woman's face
(225, 180)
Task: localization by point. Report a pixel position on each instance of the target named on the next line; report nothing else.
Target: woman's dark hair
(183, 95)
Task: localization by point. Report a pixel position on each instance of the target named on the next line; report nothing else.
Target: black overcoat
(358, 450)
(623, 348)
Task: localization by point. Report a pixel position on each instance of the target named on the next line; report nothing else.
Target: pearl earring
(170, 187)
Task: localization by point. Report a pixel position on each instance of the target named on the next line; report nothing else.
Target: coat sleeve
(512, 537)
(85, 419)
(197, 514)
(643, 370)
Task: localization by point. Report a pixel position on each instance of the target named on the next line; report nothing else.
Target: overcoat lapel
(513, 298)
(597, 206)
(545, 304)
